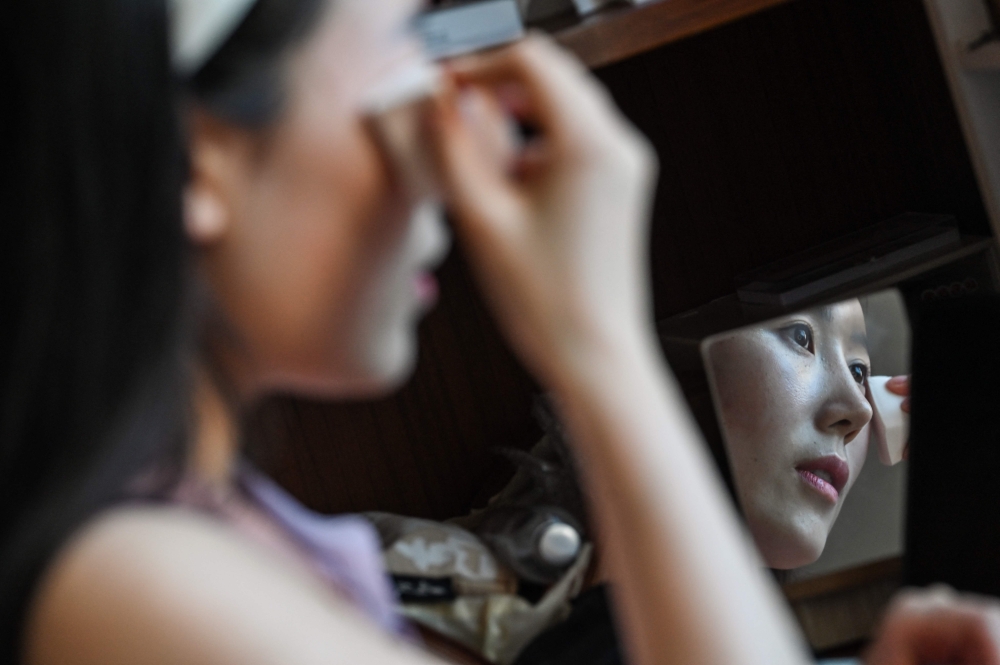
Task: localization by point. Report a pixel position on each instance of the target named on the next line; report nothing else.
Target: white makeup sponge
(394, 107)
(890, 427)
(410, 82)
(198, 28)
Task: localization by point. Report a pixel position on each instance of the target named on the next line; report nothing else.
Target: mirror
(814, 439)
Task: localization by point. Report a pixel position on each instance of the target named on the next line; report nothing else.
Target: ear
(210, 191)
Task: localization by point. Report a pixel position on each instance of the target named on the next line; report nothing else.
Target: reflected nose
(845, 409)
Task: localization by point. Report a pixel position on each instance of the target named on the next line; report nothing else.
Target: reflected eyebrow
(861, 339)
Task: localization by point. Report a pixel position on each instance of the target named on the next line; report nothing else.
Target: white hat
(198, 28)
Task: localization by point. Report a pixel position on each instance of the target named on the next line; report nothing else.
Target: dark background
(775, 133)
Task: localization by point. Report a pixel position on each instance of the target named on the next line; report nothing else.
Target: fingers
(494, 133)
(938, 625)
(471, 158)
(552, 90)
(899, 385)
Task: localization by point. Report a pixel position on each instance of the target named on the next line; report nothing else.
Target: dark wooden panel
(425, 451)
(618, 32)
(789, 128)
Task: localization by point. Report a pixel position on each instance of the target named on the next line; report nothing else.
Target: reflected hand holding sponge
(890, 425)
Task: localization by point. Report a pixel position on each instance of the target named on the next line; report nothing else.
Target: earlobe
(206, 217)
(208, 214)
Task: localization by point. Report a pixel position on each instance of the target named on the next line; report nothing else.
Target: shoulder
(167, 585)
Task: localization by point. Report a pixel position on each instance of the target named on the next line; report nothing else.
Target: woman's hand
(938, 626)
(900, 385)
(555, 228)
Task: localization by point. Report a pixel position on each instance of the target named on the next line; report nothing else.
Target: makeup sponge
(395, 108)
(890, 426)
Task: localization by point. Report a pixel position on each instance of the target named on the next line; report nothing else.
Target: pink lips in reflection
(827, 475)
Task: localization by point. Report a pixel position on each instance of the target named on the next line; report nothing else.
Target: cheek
(762, 397)
(857, 453)
(311, 235)
(351, 230)
(333, 190)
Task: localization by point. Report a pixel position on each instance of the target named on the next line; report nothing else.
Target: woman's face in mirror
(791, 396)
(323, 271)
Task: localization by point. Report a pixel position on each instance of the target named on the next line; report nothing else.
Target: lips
(426, 287)
(827, 475)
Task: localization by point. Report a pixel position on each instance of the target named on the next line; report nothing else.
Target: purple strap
(345, 549)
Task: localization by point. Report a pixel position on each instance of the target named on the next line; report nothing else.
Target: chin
(786, 546)
(392, 361)
(383, 381)
(375, 369)
(382, 365)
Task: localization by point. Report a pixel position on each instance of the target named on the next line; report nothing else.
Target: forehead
(844, 320)
(847, 313)
(392, 18)
(354, 32)
(355, 45)
(841, 312)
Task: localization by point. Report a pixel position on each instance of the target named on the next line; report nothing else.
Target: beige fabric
(487, 616)
(499, 626)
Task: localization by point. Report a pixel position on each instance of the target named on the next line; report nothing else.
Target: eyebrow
(860, 339)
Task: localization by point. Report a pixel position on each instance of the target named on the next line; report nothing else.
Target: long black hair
(97, 335)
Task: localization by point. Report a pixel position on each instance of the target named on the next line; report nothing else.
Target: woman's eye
(802, 335)
(860, 373)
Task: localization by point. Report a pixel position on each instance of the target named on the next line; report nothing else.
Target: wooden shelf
(842, 580)
(621, 31)
(844, 607)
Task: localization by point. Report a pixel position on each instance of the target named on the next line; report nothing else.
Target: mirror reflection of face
(791, 396)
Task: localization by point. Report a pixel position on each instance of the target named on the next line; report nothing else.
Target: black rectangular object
(953, 509)
(850, 259)
(415, 589)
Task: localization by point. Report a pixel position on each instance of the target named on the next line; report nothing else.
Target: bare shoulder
(166, 585)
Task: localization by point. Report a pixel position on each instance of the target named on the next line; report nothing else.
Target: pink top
(344, 551)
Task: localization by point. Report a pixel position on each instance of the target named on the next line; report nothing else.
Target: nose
(433, 238)
(845, 410)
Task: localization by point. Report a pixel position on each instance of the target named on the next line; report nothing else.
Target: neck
(216, 441)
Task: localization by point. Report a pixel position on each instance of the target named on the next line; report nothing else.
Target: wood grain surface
(619, 32)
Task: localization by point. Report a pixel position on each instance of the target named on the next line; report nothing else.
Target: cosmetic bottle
(538, 543)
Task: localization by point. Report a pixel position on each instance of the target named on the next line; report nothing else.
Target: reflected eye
(859, 372)
(801, 334)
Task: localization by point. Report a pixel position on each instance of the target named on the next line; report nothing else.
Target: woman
(793, 406)
(307, 273)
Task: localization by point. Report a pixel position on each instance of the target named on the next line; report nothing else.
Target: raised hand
(555, 228)
(938, 626)
(901, 386)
